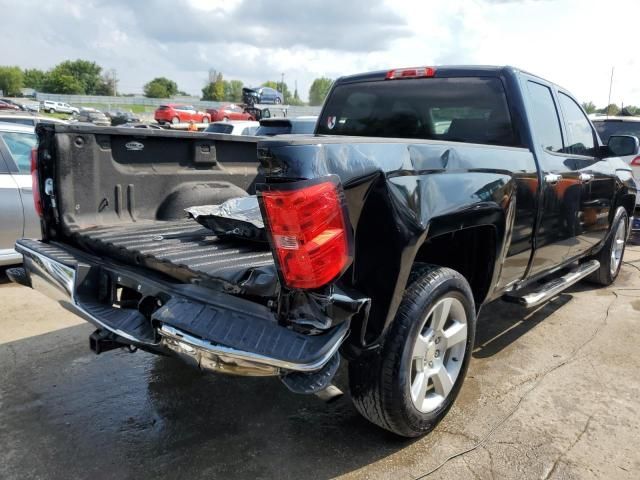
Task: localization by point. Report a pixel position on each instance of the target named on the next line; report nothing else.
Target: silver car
(18, 217)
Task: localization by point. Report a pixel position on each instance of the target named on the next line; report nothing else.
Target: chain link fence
(150, 104)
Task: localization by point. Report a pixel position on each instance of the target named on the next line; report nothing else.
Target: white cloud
(573, 43)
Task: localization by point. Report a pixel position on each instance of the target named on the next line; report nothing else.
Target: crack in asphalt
(569, 448)
(516, 407)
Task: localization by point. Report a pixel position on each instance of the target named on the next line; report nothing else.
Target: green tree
(86, 73)
(611, 109)
(233, 91)
(319, 90)
(10, 81)
(295, 100)
(215, 90)
(589, 107)
(34, 78)
(57, 81)
(160, 87)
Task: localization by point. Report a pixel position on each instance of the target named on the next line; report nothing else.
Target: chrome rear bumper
(59, 274)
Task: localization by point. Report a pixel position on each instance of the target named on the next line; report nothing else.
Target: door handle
(552, 178)
(585, 177)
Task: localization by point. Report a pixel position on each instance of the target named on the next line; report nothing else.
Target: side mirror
(623, 145)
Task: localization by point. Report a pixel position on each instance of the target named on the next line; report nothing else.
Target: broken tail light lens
(308, 230)
(35, 183)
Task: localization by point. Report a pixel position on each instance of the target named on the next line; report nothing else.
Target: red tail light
(35, 184)
(309, 232)
(636, 162)
(416, 72)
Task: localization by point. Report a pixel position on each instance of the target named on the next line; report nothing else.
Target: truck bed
(181, 248)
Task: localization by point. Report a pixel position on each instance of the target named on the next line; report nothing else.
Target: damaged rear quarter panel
(399, 193)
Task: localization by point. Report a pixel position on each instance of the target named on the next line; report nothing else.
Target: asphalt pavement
(551, 393)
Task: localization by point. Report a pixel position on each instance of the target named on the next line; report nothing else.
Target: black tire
(278, 101)
(380, 383)
(175, 120)
(607, 274)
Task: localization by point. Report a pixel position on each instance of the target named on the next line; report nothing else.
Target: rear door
(596, 176)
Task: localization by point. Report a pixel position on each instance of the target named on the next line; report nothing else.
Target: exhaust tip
(329, 394)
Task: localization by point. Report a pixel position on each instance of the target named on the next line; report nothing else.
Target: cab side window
(545, 121)
(579, 133)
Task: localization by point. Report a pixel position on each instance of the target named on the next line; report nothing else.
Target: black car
(285, 126)
(255, 95)
(120, 118)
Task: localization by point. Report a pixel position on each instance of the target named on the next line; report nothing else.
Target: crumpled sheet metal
(237, 217)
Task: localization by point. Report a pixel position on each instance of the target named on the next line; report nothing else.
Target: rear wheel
(175, 120)
(610, 255)
(409, 387)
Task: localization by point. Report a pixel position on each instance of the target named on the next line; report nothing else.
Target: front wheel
(410, 385)
(611, 253)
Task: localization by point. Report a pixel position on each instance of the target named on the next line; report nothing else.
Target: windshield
(466, 109)
(606, 128)
(219, 128)
(20, 146)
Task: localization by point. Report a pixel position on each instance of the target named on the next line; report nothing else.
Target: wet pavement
(551, 393)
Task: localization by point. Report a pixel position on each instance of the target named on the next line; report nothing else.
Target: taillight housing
(412, 72)
(636, 162)
(308, 229)
(35, 184)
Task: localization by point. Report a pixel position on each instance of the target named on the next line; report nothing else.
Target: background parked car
(58, 107)
(151, 126)
(8, 106)
(175, 113)
(17, 213)
(26, 119)
(284, 126)
(234, 127)
(91, 115)
(607, 126)
(120, 117)
(229, 112)
(255, 95)
(24, 106)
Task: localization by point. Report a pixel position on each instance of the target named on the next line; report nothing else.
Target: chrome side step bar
(554, 287)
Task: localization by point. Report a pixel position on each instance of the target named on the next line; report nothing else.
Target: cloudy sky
(572, 42)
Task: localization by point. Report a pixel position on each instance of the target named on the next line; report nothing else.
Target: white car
(609, 125)
(234, 127)
(59, 107)
(18, 216)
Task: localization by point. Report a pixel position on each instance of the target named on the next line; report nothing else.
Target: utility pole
(610, 86)
(282, 87)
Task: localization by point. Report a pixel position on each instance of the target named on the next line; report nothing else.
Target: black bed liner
(182, 249)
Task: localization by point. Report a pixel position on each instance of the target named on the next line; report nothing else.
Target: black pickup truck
(423, 194)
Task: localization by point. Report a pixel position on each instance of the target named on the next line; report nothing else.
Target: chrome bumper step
(553, 287)
(216, 331)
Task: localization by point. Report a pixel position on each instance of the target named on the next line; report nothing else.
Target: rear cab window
(459, 109)
(608, 127)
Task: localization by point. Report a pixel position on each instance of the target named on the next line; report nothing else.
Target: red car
(229, 112)
(8, 106)
(175, 113)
